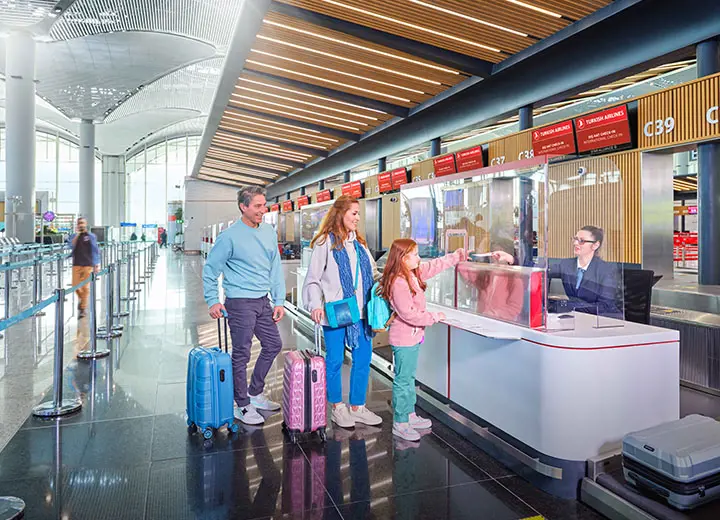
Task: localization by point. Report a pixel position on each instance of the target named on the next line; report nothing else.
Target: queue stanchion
(11, 508)
(37, 286)
(119, 313)
(134, 280)
(109, 331)
(11, 276)
(128, 281)
(8, 286)
(142, 273)
(93, 352)
(138, 274)
(58, 406)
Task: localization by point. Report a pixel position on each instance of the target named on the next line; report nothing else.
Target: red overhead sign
(287, 205)
(399, 177)
(444, 165)
(275, 207)
(354, 189)
(603, 129)
(470, 159)
(303, 201)
(385, 182)
(323, 196)
(558, 139)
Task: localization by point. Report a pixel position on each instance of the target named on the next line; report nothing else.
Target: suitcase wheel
(192, 428)
(233, 428)
(293, 437)
(208, 433)
(322, 434)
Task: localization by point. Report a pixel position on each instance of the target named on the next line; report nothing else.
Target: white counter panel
(433, 359)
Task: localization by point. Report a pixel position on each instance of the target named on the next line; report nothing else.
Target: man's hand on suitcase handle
(278, 313)
(217, 311)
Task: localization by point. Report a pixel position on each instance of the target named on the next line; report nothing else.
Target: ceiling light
(342, 73)
(466, 17)
(287, 107)
(230, 168)
(283, 139)
(343, 58)
(535, 8)
(364, 48)
(262, 149)
(273, 127)
(241, 161)
(371, 118)
(413, 26)
(325, 80)
(261, 144)
(312, 96)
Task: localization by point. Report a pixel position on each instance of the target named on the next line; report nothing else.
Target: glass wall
(57, 173)
(156, 175)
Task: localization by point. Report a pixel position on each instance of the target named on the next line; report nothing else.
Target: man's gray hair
(246, 194)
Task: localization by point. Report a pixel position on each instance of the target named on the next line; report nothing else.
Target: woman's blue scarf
(347, 280)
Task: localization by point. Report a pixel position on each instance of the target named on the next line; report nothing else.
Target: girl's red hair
(396, 267)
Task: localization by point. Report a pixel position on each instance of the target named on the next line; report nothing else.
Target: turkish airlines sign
(603, 129)
(558, 139)
(470, 159)
(323, 196)
(444, 165)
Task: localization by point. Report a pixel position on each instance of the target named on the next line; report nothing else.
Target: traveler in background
(133, 237)
(86, 258)
(337, 249)
(403, 287)
(247, 256)
(163, 239)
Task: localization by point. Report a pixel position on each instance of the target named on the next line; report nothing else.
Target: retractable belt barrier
(115, 255)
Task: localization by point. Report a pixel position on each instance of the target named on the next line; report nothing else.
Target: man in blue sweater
(86, 259)
(247, 256)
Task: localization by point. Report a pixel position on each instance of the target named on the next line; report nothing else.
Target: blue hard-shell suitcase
(210, 389)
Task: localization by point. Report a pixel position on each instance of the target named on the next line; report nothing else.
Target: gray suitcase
(679, 460)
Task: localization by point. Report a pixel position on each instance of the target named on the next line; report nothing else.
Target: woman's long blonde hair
(333, 223)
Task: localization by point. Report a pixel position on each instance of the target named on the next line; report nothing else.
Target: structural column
(87, 171)
(20, 136)
(708, 62)
(346, 176)
(525, 252)
(382, 164)
(435, 147)
(113, 190)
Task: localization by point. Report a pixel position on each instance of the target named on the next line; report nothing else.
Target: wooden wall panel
(371, 187)
(510, 148)
(679, 115)
(422, 170)
(608, 196)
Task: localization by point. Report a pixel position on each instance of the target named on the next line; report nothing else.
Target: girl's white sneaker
(420, 423)
(405, 431)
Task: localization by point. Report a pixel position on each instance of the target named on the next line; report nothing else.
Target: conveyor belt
(699, 345)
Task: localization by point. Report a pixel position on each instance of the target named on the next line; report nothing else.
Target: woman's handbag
(342, 313)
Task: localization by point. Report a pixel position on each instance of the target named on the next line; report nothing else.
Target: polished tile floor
(127, 454)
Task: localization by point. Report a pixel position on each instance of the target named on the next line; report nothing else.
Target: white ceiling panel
(116, 137)
(24, 13)
(211, 21)
(193, 126)
(85, 78)
(191, 88)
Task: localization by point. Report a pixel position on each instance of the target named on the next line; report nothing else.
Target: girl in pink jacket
(403, 286)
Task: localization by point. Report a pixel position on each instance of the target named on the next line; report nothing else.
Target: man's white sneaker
(248, 414)
(365, 416)
(261, 402)
(341, 416)
(405, 431)
(420, 423)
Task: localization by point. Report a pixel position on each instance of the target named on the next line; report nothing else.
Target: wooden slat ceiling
(687, 184)
(269, 119)
(488, 29)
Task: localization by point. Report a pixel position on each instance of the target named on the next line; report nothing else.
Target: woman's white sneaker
(365, 416)
(405, 431)
(420, 423)
(341, 416)
(248, 414)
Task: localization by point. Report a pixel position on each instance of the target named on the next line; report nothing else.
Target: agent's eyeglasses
(578, 240)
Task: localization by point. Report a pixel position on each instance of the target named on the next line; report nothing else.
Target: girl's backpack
(380, 315)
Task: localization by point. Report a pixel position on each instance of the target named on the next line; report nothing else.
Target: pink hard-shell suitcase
(304, 392)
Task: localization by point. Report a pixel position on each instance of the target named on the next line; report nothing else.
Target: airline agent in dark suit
(590, 283)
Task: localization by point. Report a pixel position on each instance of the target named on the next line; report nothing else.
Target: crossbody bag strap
(357, 264)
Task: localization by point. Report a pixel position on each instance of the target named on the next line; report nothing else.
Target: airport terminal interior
(570, 364)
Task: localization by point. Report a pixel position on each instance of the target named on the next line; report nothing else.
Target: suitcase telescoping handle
(318, 339)
(224, 320)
